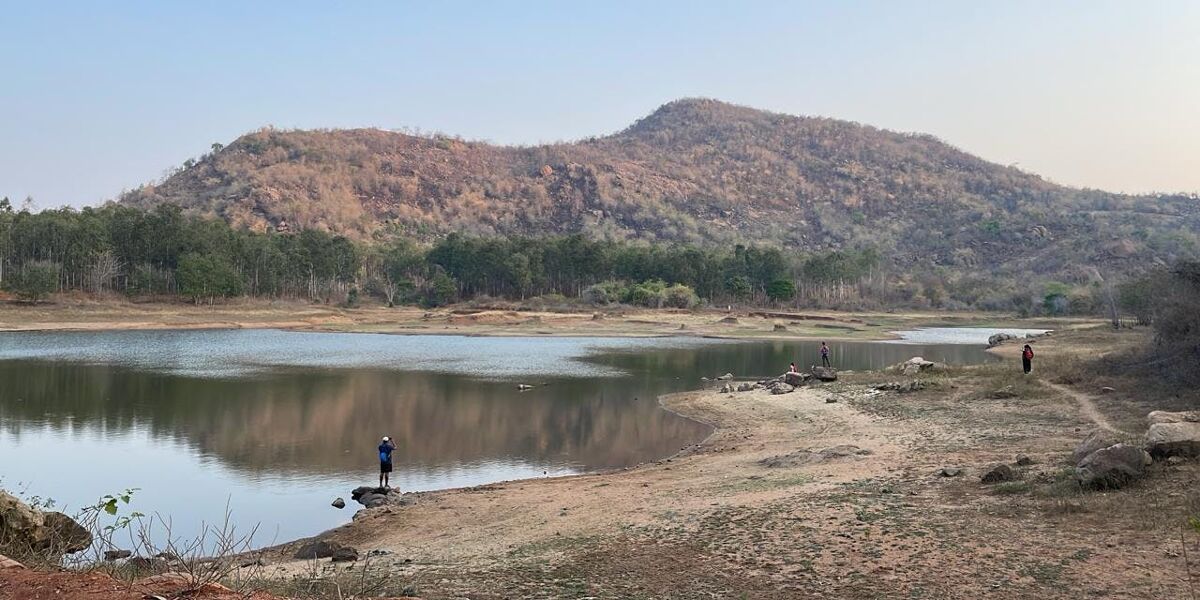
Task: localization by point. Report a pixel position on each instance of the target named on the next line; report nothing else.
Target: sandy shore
(82, 314)
(829, 492)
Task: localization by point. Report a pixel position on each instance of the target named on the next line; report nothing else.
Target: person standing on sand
(824, 355)
(1027, 359)
(385, 461)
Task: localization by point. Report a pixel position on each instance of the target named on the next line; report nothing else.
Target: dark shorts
(385, 467)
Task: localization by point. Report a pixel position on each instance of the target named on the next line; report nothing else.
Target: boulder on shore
(1096, 440)
(315, 549)
(745, 387)
(824, 373)
(1112, 467)
(1180, 437)
(782, 388)
(725, 377)
(24, 526)
(727, 389)
(916, 365)
(795, 379)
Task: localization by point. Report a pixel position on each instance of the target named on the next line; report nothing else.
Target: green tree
(781, 290)
(442, 290)
(35, 280)
(206, 278)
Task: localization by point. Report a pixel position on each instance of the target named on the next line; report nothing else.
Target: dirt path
(1086, 406)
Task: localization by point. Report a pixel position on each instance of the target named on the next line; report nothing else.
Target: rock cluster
(374, 497)
(999, 338)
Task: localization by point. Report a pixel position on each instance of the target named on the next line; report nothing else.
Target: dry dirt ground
(832, 491)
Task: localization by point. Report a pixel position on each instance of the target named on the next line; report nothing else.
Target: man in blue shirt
(385, 460)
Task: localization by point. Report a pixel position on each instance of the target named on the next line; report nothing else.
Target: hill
(699, 171)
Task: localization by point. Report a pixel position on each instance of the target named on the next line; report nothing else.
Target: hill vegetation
(841, 214)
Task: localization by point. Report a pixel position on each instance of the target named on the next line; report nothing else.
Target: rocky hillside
(698, 171)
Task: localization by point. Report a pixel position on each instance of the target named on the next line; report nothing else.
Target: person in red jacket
(1027, 359)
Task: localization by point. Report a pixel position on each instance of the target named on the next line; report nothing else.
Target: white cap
(385, 438)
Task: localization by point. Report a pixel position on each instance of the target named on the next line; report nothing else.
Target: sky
(97, 97)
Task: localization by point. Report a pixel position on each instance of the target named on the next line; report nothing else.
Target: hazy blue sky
(100, 96)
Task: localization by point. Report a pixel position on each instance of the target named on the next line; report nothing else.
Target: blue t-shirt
(385, 452)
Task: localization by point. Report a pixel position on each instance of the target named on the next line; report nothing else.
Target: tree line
(166, 252)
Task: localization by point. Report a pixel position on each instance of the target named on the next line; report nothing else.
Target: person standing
(792, 368)
(1027, 359)
(385, 461)
(824, 355)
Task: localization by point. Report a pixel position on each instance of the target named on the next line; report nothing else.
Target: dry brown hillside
(695, 170)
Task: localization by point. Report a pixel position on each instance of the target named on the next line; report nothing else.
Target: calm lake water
(276, 424)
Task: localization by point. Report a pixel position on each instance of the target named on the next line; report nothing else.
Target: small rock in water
(338, 503)
(524, 387)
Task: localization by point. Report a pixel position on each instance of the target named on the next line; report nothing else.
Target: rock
(338, 503)
(117, 554)
(1175, 460)
(1023, 460)
(1173, 439)
(725, 377)
(1003, 393)
(1162, 416)
(8, 563)
(524, 387)
(1112, 467)
(824, 374)
(916, 365)
(344, 554)
(1107, 390)
(729, 320)
(780, 327)
(998, 474)
(782, 388)
(315, 549)
(26, 527)
(727, 389)
(379, 552)
(372, 500)
(66, 534)
(999, 338)
(830, 400)
(796, 379)
(950, 472)
(147, 565)
(257, 562)
(1100, 438)
(597, 317)
(745, 387)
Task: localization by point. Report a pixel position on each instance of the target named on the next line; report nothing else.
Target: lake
(276, 424)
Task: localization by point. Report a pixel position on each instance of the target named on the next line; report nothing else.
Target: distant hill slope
(695, 170)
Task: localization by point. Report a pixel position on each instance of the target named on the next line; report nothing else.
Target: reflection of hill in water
(314, 421)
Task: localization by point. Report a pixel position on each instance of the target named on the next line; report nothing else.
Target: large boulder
(66, 534)
(1096, 440)
(917, 365)
(8, 563)
(795, 379)
(782, 388)
(745, 387)
(314, 549)
(1112, 467)
(824, 374)
(1162, 416)
(25, 528)
(999, 338)
(1173, 439)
